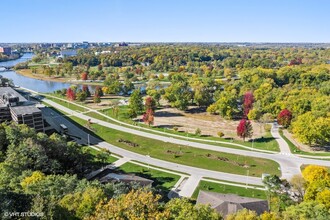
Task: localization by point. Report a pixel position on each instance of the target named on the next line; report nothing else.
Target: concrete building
(14, 107)
(229, 203)
(5, 50)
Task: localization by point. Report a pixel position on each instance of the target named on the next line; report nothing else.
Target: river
(30, 83)
(44, 85)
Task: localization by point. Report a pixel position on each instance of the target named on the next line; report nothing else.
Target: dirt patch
(209, 125)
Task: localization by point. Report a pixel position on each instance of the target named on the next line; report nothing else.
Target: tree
(307, 210)
(135, 104)
(198, 131)
(242, 215)
(284, 118)
(70, 94)
(83, 204)
(150, 106)
(227, 105)
(312, 173)
(84, 76)
(86, 90)
(244, 129)
(127, 87)
(248, 103)
(34, 178)
(179, 93)
(81, 96)
(182, 209)
(97, 98)
(303, 128)
(137, 204)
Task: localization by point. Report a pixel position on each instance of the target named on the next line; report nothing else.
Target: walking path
(284, 147)
(121, 161)
(289, 163)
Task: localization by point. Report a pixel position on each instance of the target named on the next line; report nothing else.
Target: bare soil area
(194, 118)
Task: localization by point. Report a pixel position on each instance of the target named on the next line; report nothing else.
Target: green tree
(178, 93)
(135, 104)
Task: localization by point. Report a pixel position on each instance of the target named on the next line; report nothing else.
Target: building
(14, 107)
(5, 50)
(109, 174)
(229, 203)
(126, 178)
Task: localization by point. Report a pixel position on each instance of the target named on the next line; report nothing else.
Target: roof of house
(125, 178)
(231, 203)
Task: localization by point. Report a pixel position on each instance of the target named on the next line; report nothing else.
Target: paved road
(284, 147)
(289, 164)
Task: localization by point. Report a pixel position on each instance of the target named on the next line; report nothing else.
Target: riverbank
(10, 58)
(28, 73)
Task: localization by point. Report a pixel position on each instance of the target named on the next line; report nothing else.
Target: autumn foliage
(296, 61)
(284, 118)
(84, 76)
(244, 129)
(248, 102)
(70, 94)
(148, 116)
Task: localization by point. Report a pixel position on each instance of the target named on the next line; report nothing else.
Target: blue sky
(165, 20)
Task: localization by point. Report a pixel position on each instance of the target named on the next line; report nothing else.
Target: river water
(29, 83)
(42, 85)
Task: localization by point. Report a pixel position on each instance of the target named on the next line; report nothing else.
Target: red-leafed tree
(296, 61)
(99, 67)
(70, 94)
(150, 106)
(86, 89)
(284, 118)
(84, 76)
(244, 129)
(98, 91)
(248, 102)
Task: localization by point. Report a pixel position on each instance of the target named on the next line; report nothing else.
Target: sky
(165, 21)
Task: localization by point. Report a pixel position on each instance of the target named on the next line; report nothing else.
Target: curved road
(289, 163)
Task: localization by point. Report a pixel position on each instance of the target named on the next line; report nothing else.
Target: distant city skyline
(165, 21)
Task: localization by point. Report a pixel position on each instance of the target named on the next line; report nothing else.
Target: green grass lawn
(67, 104)
(227, 189)
(294, 149)
(265, 143)
(185, 155)
(162, 180)
(106, 157)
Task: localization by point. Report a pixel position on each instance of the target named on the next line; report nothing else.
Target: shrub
(198, 131)
(220, 134)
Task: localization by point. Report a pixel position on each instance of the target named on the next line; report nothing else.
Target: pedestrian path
(189, 186)
(121, 161)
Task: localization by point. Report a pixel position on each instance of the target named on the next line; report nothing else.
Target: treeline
(43, 175)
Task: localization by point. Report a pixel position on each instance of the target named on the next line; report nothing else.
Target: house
(109, 174)
(230, 203)
(126, 178)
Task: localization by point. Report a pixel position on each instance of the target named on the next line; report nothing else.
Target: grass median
(195, 157)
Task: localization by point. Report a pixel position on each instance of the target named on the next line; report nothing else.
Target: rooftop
(22, 110)
(229, 203)
(12, 92)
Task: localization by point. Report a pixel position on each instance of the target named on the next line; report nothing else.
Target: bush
(212, 109)
(198, 131)
(220, 134)
(175, 128)
(267, 127)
